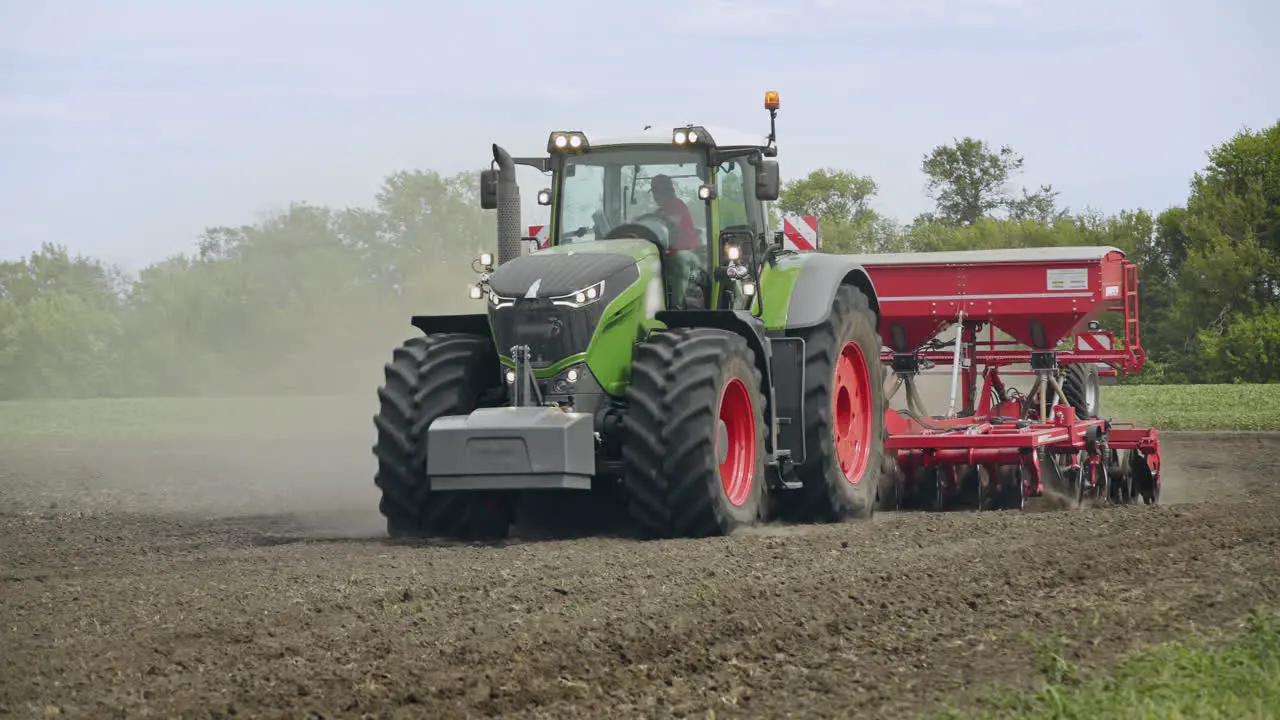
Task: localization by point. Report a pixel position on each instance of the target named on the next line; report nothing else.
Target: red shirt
(687, 238)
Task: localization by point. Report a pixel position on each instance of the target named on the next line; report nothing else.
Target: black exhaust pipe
(509, 232)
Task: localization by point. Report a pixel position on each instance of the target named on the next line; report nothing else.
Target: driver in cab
(675, 209)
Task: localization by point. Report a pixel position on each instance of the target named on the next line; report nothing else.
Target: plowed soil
(253, 580)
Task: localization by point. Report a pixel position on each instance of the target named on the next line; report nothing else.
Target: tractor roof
(661, 135)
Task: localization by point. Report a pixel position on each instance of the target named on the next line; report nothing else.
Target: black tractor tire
(892, 481)
(827, 494)
(428, 377)
(683, 381)
(1080, 383)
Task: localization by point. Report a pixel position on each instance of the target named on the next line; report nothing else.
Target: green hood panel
(622, 320)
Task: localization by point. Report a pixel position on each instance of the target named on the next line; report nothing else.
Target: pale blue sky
(128, 126)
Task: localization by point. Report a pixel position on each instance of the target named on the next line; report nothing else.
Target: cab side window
(732, 181)
(736, 192)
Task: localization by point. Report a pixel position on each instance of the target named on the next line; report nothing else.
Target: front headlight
(581, 298)
(568, 380)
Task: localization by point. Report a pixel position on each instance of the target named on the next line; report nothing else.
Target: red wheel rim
(851, 412)
(736, 444)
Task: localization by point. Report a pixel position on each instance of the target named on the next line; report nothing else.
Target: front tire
(428, 377)
(695, 434)
(844, 403)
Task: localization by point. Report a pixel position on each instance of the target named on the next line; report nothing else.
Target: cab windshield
(606, 188)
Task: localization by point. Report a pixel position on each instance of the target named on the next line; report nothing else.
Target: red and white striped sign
(800, 232)
(540, 232)
(1099, 340)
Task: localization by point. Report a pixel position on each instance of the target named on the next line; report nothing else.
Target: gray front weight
(512, 448)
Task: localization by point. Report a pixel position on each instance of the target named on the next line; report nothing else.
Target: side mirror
(767, 181)
(489, 190)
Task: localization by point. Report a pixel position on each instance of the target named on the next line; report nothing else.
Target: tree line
(312, 299)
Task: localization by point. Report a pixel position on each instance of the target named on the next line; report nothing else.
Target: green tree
(968, 181)
(831, 195)
(841, 200)
(1223, 252)
(59, 327)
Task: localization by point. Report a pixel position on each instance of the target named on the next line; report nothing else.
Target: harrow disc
(1014, 489)
(1121, 472)
(1144, 481)
(1094, 485)
(1005, 489)
(928, 490)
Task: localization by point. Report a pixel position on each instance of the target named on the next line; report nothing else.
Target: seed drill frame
(1002, 445)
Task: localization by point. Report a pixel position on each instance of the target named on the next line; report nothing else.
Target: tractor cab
(697, 194)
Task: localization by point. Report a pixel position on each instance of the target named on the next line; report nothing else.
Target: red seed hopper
(1001, 446)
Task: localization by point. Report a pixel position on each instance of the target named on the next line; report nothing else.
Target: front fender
(472, 323)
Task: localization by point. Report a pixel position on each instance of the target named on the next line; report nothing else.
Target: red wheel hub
(851, 411)
(736, 444)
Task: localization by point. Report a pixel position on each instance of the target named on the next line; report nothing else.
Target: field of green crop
(1195, 407)
(1166, 407)
(1233, 676)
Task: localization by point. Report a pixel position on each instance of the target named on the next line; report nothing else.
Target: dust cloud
(300, 455)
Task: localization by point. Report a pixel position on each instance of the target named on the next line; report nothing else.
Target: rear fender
(746, 325)
(815, 288)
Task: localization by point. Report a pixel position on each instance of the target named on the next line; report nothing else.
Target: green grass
(1195, 407)
(1166, 407)
(1235, 678)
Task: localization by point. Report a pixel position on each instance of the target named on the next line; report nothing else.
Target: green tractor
(664, 356)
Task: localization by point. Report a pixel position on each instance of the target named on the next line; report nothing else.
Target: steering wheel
(634, 229)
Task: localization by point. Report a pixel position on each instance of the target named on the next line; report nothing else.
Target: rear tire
(685, 476)
(844, 401)
(1081, 385)
(428, 377)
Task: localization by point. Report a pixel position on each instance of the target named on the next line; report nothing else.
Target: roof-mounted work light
(565, 142)
(691, 135)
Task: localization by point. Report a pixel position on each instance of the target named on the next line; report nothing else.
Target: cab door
(740, 220)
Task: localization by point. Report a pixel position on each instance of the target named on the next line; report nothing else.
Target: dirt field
(145, 580)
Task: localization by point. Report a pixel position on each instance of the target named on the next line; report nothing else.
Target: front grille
(552, 332)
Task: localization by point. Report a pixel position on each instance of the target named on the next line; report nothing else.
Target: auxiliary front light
(497, 301)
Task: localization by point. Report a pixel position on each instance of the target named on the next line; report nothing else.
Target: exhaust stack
(509, 233)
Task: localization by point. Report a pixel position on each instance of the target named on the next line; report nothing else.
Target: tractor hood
(564, 270)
